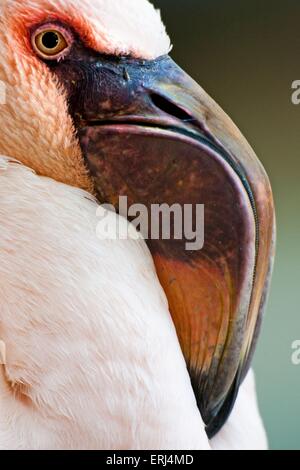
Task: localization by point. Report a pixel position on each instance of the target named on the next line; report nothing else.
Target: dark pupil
(50, 40)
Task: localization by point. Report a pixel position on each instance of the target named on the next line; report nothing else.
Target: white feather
(91, 350)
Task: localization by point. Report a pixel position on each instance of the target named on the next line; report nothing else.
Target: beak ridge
(150, 133)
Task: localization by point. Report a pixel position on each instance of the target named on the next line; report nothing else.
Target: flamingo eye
(51, 42)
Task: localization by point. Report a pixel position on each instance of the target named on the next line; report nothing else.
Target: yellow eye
(51, 43)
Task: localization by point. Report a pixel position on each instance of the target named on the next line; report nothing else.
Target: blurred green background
(246, 54)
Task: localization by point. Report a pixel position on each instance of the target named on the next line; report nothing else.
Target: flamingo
(105, 342)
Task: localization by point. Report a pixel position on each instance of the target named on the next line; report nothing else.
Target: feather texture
(119, 27)
(92, 356)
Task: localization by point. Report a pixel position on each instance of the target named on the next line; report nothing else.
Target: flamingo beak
(150, 133)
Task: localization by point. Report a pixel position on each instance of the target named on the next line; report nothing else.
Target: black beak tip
(220, 419)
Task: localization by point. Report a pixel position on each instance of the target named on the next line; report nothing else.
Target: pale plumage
(109, 26)
(93, 360)
(92, 353)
